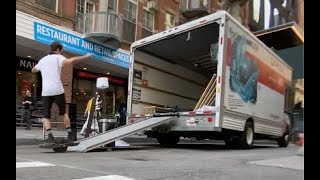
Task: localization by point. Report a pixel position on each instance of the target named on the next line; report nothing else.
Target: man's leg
(47, 104)
(46, 123)
(28, 116)
(61, 102)
(95, 124)
(66, 121)
(99, 113)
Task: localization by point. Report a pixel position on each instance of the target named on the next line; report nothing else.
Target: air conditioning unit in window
(152, 5)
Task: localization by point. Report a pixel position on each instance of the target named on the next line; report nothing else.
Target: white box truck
(216, 80)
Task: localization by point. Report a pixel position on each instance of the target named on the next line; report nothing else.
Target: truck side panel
(254, 85)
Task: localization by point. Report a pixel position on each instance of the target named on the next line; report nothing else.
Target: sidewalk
(35, 136)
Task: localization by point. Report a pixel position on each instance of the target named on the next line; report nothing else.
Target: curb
(24, 142)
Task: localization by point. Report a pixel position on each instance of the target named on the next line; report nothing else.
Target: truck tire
(284, 140)
(247, 136)
(168, 140)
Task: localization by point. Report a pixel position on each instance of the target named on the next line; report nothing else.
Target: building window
(129, 20)
(49, 4)
(82, 7)
(265, 14)
(147, 23)
(169, 21)
(83, 91)
(256, 10)
(112, 5)
(193, 4)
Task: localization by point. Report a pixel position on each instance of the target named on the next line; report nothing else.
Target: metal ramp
(98, 140)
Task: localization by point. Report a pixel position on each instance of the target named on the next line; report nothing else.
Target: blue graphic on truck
(243, 72)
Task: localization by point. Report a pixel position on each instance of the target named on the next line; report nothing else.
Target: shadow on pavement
(185, 146)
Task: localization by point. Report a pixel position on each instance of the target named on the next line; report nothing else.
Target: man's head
(28, 93)
(56, 47)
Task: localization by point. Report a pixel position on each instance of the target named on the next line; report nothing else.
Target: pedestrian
(94, 125)
(28, 106)
(52, 88)
(98, 107)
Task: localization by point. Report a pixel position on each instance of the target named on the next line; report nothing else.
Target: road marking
(32, 164)
(293, 162)
(110, 177)
(84, 169)
(39, 164)
(67, 166)
(71, 167)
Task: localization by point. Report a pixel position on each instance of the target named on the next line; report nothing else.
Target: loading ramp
(107, 137)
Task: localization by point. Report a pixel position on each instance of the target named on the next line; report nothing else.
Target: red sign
(25, 85)
(113, 80)
(144, 82)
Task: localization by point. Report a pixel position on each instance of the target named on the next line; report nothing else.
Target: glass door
(108, 106)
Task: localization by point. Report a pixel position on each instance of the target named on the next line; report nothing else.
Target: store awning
(281, 37)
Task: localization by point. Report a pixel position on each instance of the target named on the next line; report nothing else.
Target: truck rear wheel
(247, 136)
(168, 140)
(284, 140)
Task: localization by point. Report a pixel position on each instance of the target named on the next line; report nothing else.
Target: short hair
(56, 45)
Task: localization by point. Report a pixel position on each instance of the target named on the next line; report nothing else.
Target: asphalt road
(149, 161)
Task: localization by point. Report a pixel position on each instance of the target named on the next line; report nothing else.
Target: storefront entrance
(25, 80)
(84, 88)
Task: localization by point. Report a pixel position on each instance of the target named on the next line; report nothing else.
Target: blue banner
(75, 44)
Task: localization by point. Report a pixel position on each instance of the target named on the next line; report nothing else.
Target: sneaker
(49, 141)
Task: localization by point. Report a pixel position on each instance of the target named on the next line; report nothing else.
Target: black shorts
(49, 100)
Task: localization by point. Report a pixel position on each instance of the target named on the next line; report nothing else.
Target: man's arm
(34, 70)
(37, 67)
(24, 100)
(76, 59)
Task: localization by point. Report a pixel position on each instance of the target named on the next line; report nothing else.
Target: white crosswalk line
(32, 164)
(110, 177)
(43, 164)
